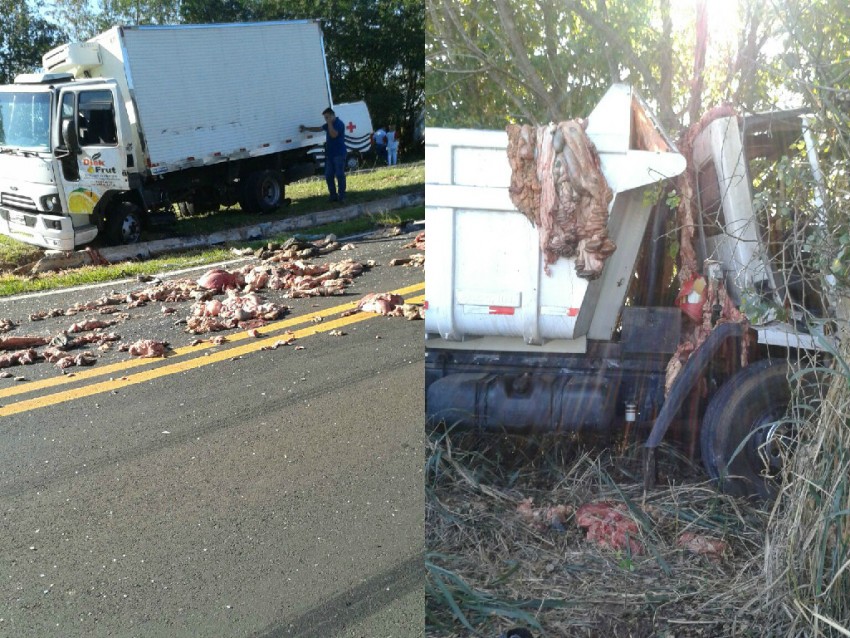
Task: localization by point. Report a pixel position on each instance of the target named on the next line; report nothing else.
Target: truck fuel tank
(524, 403)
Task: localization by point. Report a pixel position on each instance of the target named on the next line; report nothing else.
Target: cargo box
(485, 278)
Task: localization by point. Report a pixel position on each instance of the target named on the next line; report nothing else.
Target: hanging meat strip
(558, 184)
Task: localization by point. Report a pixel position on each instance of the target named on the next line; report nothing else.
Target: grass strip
(11, 284)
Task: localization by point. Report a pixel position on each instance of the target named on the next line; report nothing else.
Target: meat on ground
(92, 324)
(19, 358)
(418, 242)
(382, 303)
(609, 526)
(25, 341)
(218, 279)
(70, 360)
(147, 348)
(713, 548)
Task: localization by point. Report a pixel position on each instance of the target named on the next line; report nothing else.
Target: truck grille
(18, 201)
(17, 217)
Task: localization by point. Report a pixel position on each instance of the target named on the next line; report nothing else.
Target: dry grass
(808, 557)
(488, 568)
(808, 554)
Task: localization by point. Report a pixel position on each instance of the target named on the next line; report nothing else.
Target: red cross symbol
(351, 126)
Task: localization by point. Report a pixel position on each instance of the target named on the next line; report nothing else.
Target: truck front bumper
(56, 232)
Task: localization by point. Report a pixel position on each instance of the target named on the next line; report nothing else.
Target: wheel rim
(747, 434)
(130, 229)
(772, 439)
(270, 192)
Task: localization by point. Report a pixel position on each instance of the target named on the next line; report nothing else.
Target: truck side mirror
(70, 136)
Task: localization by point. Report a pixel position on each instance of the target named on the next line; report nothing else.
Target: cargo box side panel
(112, 66)
(485, 277)
(212, 92)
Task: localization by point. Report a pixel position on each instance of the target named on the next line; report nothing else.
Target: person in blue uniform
(335, 152)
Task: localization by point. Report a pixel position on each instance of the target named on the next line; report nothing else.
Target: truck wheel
(124, 224)
(745, 429)
(261, 192)
(352, 162)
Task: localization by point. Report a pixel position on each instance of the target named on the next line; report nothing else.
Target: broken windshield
(25, 120)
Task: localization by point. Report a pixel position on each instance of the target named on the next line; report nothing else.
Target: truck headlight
(50, 203)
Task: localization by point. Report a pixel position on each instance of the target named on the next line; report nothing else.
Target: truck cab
(64, 151)
(113, 136)
(754, 175)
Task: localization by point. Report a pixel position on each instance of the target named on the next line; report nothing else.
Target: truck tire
(743, 428)
(124, 224)
(261, 192)
(352, 161)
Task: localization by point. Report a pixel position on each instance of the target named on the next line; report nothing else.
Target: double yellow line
(253, 345)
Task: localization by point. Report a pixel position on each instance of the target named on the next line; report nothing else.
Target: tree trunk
(697, 83)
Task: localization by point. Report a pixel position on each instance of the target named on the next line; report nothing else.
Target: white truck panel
(485, 273)
(738, 245)
(358, 125)
(205, 93)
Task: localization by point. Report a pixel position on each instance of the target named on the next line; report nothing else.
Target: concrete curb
(58, 260)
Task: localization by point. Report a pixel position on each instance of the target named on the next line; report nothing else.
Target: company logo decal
(82, 201)
(95, 166)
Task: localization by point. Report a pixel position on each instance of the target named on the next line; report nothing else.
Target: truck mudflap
(693, 370)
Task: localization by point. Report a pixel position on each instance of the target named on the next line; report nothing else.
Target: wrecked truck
(120, 128)
(553, 305)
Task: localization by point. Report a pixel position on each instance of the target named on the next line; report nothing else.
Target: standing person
(392, 146)
(381, 144)
(335, 152)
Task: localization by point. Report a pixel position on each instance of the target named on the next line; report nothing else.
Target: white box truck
(120, 128)
(518, 345)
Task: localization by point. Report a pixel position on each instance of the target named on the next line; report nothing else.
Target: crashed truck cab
(518, 345)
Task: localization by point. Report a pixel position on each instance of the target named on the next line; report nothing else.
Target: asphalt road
(225, 490)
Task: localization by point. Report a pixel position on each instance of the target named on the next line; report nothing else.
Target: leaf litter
(562, 539)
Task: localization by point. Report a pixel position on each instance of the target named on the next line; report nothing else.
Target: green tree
(374, 50)
(24, 37)
(489, 63)
(86, 18)
(209, 11)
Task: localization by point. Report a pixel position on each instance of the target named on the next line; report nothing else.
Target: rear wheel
(352, 161)
(746, 433)
(261, 192)
(124, 224)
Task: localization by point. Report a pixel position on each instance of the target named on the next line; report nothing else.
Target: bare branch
(625, 49)
(508, 22)
(698, 81)
(613, 68)
(460, 44)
